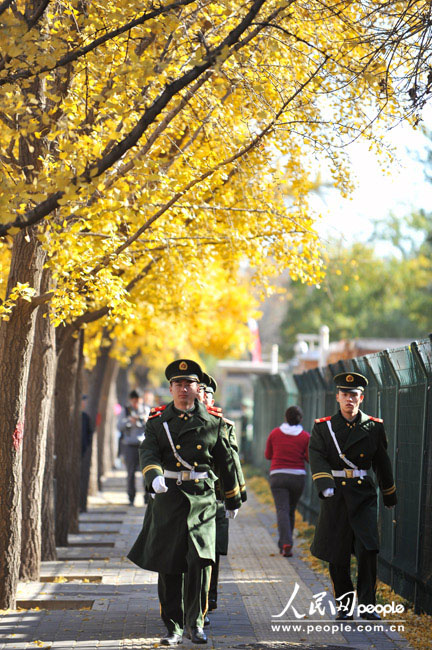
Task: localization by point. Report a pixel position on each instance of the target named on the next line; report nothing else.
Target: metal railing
(400, 392)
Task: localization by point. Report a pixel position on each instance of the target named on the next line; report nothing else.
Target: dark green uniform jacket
(232, 438)
(352, 511)
(222, 528)
(187, 510)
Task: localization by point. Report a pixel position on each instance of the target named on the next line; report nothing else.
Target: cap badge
(349, 378)
(183, 365)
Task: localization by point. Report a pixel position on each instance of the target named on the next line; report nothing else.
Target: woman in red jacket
(287, 449)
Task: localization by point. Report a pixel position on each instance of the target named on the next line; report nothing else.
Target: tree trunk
(123, 385)
(77, 441)
(112, 420)
(40, 390)
(96, 381)
(93, 472)
(65, 446)
(16, 340)
(49, 551)
(104, 429)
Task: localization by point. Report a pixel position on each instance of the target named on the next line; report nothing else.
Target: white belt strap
(341, 455)
(185, 476)
(176, 454)
(349, 473)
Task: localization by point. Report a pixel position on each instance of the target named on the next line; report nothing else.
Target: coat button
(199, 446)
(359, 482)
(361, 455)
(197, 480)
(178, 447)
(343, 482)
(196, 464)
(178, 464)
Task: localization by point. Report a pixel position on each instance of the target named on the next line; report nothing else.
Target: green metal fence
(272, 396)
(400, 392)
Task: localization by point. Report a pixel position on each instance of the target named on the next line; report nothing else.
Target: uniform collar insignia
(202, 411)
(363, 418)
(199, 411)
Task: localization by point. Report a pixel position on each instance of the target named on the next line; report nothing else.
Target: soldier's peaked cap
(205, 380)
(210, 384)
(184, 369)
(350, 381)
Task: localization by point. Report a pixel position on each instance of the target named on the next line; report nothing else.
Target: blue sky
(379, 193)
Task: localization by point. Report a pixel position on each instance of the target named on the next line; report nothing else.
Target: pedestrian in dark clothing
(86, 450)
(86, 432)
(132, 427)
(287, 449)
(207, 393)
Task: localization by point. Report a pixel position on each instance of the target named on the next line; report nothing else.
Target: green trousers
(183, 596)
(366, 578)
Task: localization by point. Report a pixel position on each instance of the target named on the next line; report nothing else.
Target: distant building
(345, 349)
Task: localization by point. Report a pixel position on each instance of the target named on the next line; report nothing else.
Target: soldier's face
(184, 392)
(349, 403)
(208, 399)
(201, 394)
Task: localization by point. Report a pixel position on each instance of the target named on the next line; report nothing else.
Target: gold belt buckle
(185, 476)
(349, 473)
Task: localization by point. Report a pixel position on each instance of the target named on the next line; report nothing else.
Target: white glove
(158, 485)
(328, 492)
(231, 514)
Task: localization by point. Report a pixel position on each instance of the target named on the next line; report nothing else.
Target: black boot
(196, 635)
(172, 638)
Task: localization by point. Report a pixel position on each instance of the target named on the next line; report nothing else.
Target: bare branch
(5, 5)
(42, 299)
(31, 22)
(143, 273)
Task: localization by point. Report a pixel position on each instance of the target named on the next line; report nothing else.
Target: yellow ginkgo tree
(142, 140)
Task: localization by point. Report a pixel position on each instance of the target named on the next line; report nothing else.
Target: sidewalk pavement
(102, 601)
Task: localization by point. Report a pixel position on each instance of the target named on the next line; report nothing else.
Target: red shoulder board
(215, 410)
(375, 419)
(329, 417)
(156, 410)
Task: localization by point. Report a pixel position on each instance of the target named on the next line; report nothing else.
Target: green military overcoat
(352, 511)
(222, 527)
(186, 511)
(232, 439)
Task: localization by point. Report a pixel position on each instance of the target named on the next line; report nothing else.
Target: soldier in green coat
(183, 442)
(209, 387)
(342, 449)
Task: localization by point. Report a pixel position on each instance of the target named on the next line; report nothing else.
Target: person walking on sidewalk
(207, 392)
(342, 449)
(183, 442)
(287, 449)
(132, 428)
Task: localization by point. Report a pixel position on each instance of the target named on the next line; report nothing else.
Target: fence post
(417, 607)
